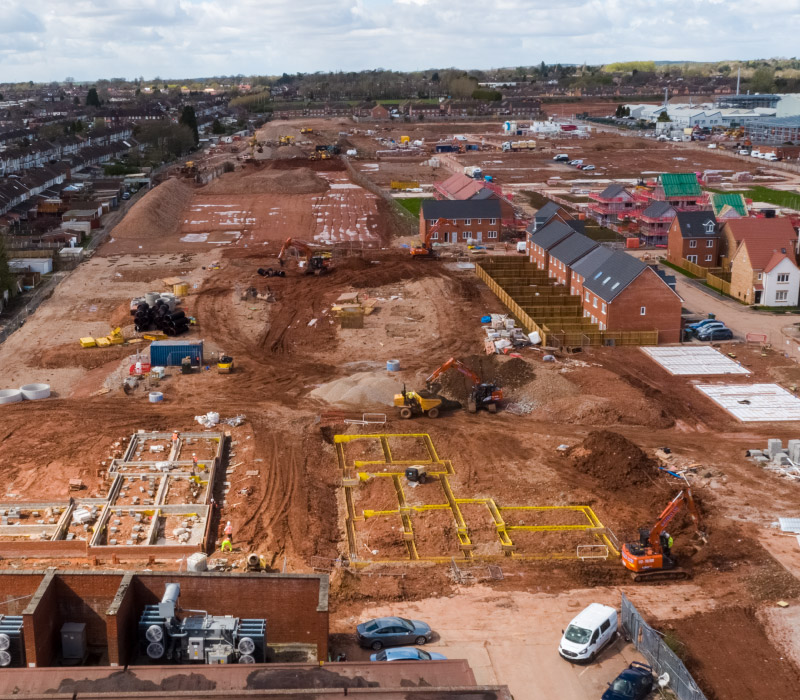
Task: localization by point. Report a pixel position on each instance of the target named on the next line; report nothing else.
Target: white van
(588, 633)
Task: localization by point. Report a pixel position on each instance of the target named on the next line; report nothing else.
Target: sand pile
(360, 389)
(296, 181)
(615, 460)
(159, 213)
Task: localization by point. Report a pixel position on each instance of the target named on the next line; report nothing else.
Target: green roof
(680, 185)
(732, 199)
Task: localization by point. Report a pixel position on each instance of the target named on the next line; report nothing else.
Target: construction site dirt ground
(294, 367)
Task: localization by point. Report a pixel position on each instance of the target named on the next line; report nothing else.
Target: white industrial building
(702, 115)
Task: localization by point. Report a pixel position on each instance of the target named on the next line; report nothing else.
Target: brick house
(654, 223)
(546, 238)
(564, 255)
(694, 236)
(462, 186)
(624, 294)
(546, 214)
(734, 231)
(764, 267)
(585, 266)
(613, 204)
(459, 221)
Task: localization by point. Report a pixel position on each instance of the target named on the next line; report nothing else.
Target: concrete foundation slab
(751, 403)
(694, 360)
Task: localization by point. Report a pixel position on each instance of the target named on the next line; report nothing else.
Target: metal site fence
(663, 660)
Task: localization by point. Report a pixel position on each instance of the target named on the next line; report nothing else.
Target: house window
(492, 221)
(477, 221)
(587, 296)
(709, 244)
(465, 235)
(781, 296)
(693, 244)
(594, 302)
(603, 308)
(760, 275)
(709, 258)
(492, 234)
(435, 236)
(643, 311)
(783, 277)
(467, 222)
(691, 258)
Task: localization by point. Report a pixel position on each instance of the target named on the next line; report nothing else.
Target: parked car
(392, 632)
(744, 152)
(588, 633)
(561, 158)
(770, 156)
(676, 138)
(587, 167)
(576, 162)
(406, 654)
(706, 330)
(634, 683)
(695, 327)
(718, 334)
(126, 195)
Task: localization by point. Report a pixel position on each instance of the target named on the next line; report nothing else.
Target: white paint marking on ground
(694, 360)
(754, 402)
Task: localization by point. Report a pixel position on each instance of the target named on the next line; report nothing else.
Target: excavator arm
(682, 500)
(426, 247)
(453, 363)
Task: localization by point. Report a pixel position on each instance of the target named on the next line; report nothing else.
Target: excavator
(429, 403)
(650, 559)
(426, 246)
(481, 395)
(318, 262)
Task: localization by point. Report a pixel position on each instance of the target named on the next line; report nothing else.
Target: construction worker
(228, 531)
(666, 544)
(226, 543)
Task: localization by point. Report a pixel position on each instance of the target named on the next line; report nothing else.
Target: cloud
(42, 40)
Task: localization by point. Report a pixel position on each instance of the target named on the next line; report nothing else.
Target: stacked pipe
(161, 315)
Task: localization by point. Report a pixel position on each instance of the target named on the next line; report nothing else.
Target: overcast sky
(46, 40)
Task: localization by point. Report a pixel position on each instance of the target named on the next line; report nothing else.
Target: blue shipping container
(169, 353)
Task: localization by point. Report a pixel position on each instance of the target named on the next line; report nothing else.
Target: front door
(758, 297)
(479, 236)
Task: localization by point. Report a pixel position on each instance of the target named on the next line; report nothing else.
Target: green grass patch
(686, 273)
(780, 198)
(776, 309)
(411, 204)
(537, 200)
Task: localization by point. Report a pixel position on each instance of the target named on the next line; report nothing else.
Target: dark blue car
(634, 683)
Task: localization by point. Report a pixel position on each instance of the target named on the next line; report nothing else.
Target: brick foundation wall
(41, 622)
(86, 598)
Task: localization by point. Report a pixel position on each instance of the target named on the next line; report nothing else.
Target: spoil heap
(615, 460)
(158, 214)
(296, 181)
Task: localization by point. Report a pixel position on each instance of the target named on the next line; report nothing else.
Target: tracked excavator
(429, 403)
(318, 262)
(651, 559)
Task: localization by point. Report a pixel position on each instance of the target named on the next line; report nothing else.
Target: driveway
(511, 639)
(740, 319)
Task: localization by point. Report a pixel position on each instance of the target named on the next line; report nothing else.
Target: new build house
(612, 205)
(625, 294)
(654, 223)
(734, 231)
(694, 236)
(585, 266)
(728, 205)
(764, 267)
(457, 221)
(547, 237)
(681, 190)
(565, 254)
(548, 212)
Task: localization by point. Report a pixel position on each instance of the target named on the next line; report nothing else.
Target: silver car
(392, 631)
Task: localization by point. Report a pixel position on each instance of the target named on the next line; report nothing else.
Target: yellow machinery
(320, 155)
(417, 403)
(225, 364)
(306, 130)
(405, 140)
(286, 140)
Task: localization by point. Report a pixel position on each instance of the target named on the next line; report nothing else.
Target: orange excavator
(318, 262)
(426, 246)
(481, 395)
(650, 559)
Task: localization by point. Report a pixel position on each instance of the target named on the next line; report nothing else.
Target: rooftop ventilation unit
(204, 638)
(12, 645)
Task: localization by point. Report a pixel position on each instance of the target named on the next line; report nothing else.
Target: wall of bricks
(663, 308)
(110, 603)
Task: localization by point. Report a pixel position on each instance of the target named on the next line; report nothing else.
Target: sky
(46, 40)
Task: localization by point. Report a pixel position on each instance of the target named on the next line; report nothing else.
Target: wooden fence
(719, 282)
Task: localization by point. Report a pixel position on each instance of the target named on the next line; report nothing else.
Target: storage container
(170, 353)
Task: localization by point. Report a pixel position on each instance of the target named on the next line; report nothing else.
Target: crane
(650, 559)
(482, 394)
(318, 262)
